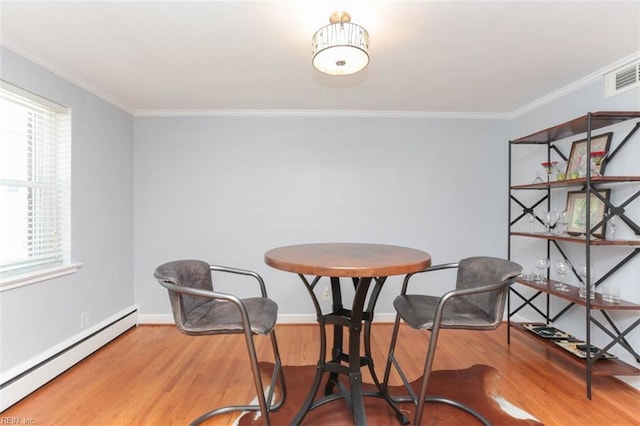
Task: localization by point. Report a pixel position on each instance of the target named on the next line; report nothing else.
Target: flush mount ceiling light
(341, 47)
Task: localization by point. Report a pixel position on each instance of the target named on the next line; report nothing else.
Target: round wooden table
(364, 264)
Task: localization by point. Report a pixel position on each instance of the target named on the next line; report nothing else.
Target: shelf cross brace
(621, 144)
(528, 302)
(560, 153)
(619, 337)
(620, 210)
(526, 210)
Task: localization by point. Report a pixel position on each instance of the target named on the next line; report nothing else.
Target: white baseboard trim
(161, 319)
(25, 378)
(155, 319)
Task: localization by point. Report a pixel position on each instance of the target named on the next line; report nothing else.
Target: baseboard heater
(24, 379)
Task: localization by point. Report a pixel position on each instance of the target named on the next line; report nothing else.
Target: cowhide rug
(475, 386)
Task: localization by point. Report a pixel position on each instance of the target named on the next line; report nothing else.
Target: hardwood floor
(147, 377)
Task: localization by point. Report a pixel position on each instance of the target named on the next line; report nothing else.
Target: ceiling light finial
(340, 48)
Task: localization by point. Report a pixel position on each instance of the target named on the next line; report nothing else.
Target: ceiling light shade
(340, 48)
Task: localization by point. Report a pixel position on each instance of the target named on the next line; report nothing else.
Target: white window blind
(35, 168)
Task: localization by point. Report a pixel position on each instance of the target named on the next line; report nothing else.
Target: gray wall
(37, 317)
(227, 189)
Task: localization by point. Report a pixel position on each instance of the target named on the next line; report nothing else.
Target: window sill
(10, 283)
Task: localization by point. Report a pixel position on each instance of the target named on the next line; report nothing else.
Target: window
(35, 142)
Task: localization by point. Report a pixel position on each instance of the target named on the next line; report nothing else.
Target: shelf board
(602, 367)
(571, 239)
(577, 126)
(573, 296)
(578, 182)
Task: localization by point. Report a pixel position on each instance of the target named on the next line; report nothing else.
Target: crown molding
(323, 113)
(585, 81)
(67, 75)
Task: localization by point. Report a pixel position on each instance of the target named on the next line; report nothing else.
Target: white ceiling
(488, 57)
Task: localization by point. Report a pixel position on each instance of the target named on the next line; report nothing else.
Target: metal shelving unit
(593, 308)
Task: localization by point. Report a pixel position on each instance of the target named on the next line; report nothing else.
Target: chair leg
(257, 379)
(423, 398)
(425, 374)
(265, 405)
(391, 356)
(393, 362)
(278, 376)
(420, 400)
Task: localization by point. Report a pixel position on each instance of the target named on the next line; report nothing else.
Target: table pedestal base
(346, 363)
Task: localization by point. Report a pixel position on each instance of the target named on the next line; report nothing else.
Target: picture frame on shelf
(576, 206)
(580, 159)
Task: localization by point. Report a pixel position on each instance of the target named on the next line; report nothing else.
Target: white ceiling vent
(622, 79)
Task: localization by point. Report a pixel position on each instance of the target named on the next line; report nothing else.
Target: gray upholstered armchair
(476, 303)
(199, 310)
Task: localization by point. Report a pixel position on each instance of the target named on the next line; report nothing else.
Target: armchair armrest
(482, 289)
(169, 284)
(238, 271)
(433, 268)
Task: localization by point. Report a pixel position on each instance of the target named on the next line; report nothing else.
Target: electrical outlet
(325, 293)
(84, 319)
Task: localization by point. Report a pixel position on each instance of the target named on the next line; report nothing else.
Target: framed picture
(577, 207)
(579, 158)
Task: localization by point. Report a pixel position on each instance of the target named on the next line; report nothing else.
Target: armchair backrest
(480, 271)
(185, 273)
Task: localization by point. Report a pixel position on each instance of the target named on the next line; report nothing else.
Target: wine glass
(596, 162)
(563, 220)
(583, 284)
(531, 219)
(538, 178)
(550, 219)
(542, 265)
(613, 222)
(562, 268)
(549, 166)
(556, 218)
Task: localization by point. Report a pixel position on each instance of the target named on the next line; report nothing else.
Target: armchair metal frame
(502, 287)
(265, 405)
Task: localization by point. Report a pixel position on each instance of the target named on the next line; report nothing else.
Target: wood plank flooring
(153, 375)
